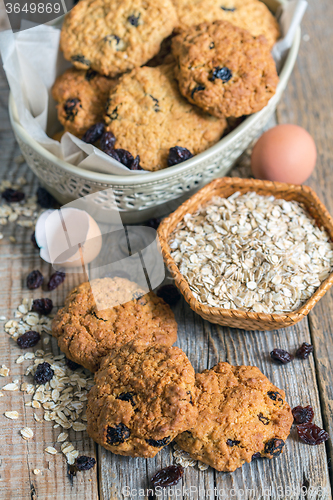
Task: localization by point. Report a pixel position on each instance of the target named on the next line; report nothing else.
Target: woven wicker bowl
(225, 187)
(139, 197)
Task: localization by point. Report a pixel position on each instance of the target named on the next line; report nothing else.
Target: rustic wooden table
(308, 101)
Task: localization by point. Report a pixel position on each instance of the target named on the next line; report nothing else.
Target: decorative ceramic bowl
(140, 197)
(225, 187)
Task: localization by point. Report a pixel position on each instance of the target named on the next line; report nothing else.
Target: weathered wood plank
(308, 101)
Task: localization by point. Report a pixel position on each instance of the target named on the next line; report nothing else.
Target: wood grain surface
(308, 101)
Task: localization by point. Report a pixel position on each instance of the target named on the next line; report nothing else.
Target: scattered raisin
(169, 476)
(71, 108)
(228, 10)
(125, 157)
(198, 88)
(107, 141)
(90, 74)
(85, 463)
(45, 199)
(117, 435)
(153, 222)
(231, 442)
(304, 351)
(127, 396)
(169, 293)
(281, 356)
(33, 241)
(224, 74)
(44, 373)
(134, 20)
(42, 306)
(274, 447)
(12, 195)
(275, 396)
(111, 38)
(264, 420)
(158, 443)
(212, 46)
(303, 415)
(80, 59)
(72, 365)
(312, 434)
(256, 455)
(177, 155)
(136, 164)
(93, 133)
(55, 280)
(28, 339)
(34, 280)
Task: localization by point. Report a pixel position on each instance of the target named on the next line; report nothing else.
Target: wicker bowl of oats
(250, 254)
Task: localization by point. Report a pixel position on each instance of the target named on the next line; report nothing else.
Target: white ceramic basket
(157, 193)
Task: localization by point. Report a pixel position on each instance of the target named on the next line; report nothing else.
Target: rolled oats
(12, 415)
(252, 253)
(27, 433)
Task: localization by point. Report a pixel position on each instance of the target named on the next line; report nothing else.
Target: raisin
(281, 356)
(111, 38)
(191, 399)
(125, 157)
(90, 74)
(55, 280)
(198, 88)
(177, 155)
(72, 365)
(274, 447)
(224, 74)
(228, 10)
(107, 141)
(33, 241)
(42, 306)
(117, 435)
(231, 442)
(127, 396)
(303, 415)
(156, 104)
(212, 46)
(45, 199)
(93, 133)
(12, 195)
(28, 339)
(312, 434)
(134, 20)
(71, 108)
(34, 280)
(80, 59)
(169, 476)
(153, 222)
(136, 164)
(304, 351)
(256, 455)
(158, 443)
(113, 115)
(169, 293)
(275, 396)
(44, 373)
(264, 420)
(85, 463)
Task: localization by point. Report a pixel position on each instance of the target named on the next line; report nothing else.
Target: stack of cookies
(146, 392)
(158, 80)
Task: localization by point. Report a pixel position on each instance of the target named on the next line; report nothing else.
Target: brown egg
(286, 153)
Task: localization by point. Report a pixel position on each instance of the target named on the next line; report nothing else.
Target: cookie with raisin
(101, 315)
(242, 416)
(252, 15)
(115, 36)
(148, 116)
(224, 69)
(142, 399)
(81, 96)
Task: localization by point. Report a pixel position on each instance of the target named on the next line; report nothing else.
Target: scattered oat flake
(51, 450)
(20, 360)
(36, 472)
(62, 437)
(10, 387)
(78, 426)
(27, 433)
(13, 415)
(4, 371)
